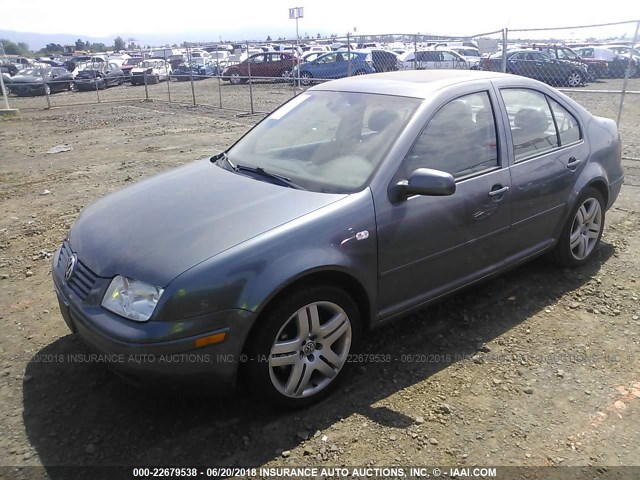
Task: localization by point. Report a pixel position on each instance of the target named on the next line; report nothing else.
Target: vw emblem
(71, 266)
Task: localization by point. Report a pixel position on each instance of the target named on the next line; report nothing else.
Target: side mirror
(425, 181)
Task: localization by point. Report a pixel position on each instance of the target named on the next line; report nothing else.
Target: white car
(470, 54)
(431, 59)
(154, 69)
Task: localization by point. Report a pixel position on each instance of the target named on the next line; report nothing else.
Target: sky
(255, 19)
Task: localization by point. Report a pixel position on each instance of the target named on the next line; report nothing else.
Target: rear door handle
(573, 163)
(498, 190)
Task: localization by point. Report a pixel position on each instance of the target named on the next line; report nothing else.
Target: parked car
(629, 56)
(197, 70)
(99, 76)
(384, 60)
(470, 54)
(338, 64)
(540, 66)
(153, 70)
(6, 66)
(596, 69)
(616, 65)
(128, 65)
(41, 81)
(314, 236)
(267, 65)
(431, 59)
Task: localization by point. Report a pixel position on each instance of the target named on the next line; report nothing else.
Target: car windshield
(148, 64)
(326, 141)
(131, 61)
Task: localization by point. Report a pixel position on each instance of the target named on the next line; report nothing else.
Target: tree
(318, 36)
(52, 48)
(80, 45)
(11, 48)
(118, 43)
(268, 38)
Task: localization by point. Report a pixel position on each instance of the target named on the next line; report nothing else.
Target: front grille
(83, 279)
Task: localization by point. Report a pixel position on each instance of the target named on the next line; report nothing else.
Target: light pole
(5, 112)
(296, 13)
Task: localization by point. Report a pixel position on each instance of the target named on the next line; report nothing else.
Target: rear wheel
(575, 79)
(47, 89)
(299, 352)
(236, 79)
(582, 232)
(285, 74)
(73, 87)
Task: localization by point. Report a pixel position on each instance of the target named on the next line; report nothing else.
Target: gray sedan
(357, 202)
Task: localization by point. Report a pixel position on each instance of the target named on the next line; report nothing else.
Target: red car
(267, 65)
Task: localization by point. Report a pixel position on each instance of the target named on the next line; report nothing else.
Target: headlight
(131, 299)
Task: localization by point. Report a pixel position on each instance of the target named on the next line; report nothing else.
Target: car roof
(408, 83)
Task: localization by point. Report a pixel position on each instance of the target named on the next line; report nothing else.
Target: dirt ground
(538, 367)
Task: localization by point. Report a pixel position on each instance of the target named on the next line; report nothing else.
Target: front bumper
(154, 352)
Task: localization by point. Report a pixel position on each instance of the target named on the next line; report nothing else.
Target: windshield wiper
(281, 179)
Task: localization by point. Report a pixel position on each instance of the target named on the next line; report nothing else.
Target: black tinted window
(460, 138)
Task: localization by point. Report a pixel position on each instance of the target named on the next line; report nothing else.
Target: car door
(431, 245)
(548, 152)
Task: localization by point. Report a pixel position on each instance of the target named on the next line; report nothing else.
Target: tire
(303, 360)
(633, 70)
(285, 74)
(73, 87)
(360, 72)
(47, 89)
(582, 231)
(306, 78)
(236, 79)
(575, 79)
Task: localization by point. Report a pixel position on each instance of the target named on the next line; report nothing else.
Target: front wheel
(298, 354)
(73, 87)
(47, 89)
(305, 78)
(582, 232)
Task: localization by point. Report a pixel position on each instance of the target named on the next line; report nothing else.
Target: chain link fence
(256, 77)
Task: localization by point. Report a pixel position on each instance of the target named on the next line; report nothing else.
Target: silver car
(355, 203)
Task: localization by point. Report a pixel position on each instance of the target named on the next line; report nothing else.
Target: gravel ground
(538, 367)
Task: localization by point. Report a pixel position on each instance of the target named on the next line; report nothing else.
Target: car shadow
(80, 414)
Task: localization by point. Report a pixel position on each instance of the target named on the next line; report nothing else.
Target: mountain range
(36, 41)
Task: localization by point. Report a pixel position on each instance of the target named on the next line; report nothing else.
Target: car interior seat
(529, 131)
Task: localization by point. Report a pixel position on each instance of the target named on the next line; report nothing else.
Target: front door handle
(498, 190)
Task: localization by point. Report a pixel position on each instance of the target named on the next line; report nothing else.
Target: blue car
(199, 71)
(338, 64)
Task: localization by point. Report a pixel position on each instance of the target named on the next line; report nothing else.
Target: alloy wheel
(585, 230)
(310, 349)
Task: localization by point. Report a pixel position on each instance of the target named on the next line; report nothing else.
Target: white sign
(296, 12)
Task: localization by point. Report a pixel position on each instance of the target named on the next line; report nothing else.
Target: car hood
(156, 229)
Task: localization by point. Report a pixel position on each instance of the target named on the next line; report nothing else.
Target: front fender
(340, 237)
